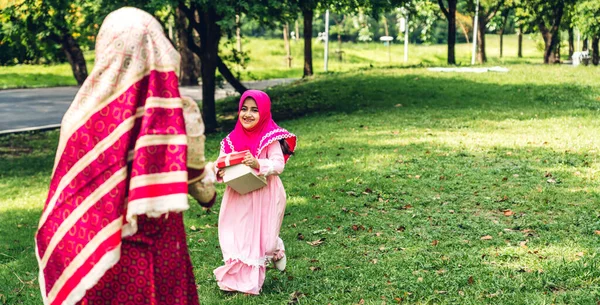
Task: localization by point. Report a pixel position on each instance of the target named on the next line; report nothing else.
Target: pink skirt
(249, 227)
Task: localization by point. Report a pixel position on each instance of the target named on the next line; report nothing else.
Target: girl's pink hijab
(261, 135)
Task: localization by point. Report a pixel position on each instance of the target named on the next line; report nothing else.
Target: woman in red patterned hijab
(111, 231)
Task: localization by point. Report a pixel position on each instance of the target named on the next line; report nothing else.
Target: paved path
(43, 108)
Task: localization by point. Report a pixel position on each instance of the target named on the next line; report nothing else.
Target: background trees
(53, 31)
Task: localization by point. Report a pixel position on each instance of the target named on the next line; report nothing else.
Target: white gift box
(243, 179)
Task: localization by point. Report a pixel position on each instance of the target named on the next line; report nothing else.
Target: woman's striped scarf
(121, 153)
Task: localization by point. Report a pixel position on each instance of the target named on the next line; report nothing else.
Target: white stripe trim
(160, 178)
(41, 277)
(109, 259)
(153, 207)
(161, 102)
(78, 212)
(151, 140)
(84, 255)
(86, 160)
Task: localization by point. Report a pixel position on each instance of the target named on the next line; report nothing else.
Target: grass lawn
(419, 188)
(267, 60)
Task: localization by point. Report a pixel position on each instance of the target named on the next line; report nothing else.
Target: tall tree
(52, 22)
(523, 23)
(487, 11)
(307, 8)
(503, 21)
(450, 14)
(190, 63)
(547, 15)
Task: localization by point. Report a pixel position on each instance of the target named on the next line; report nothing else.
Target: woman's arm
(274, 163)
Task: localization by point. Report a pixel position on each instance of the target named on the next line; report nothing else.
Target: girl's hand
(220, 173)
(250, 161)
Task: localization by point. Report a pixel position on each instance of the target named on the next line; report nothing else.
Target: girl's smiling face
(249, 115)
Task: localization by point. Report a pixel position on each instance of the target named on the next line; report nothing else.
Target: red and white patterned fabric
(121, 156)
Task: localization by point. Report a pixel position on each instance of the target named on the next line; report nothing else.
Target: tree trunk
(190, 63)
(571, 43)
(520, 41)
(75, 57)
(451, 17)
(464, 30)
(595, 50)
(286, 42)
(308, 19)
(501, 41)
(557, 52)
(385, 25)
(481, 57)
(551, 35)
(505, 14)
(550, 41)
(229, 77)
(209, 41)
(585, 45)
(451, 31)
(339, 50)
(238, 37)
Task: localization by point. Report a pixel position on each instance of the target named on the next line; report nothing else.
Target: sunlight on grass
(534, 258)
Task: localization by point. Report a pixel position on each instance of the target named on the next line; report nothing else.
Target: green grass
(401, 171)
(267, 60)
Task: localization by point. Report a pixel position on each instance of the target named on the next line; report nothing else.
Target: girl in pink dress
(249, 224)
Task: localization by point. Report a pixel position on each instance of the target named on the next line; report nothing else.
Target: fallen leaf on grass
(312, 268)
(597, 232)
(523, 244)
(487, 237)
(551, 180)
(374, 261)
(193, 228)
(440, 291)
(300, 236)
(398, 105)
(508, 213)
(402, 228)
(316, 197)
(580, 254)
(471, 280)
(295, 296)
(358, 227)
(434, 242)
(316, 242)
